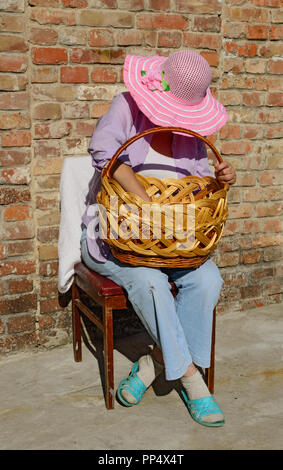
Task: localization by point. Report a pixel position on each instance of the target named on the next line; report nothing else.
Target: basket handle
(152, 131)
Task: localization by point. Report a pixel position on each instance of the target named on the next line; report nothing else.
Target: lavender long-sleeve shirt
(123, 121)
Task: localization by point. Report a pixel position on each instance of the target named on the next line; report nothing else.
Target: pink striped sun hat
(174, 91)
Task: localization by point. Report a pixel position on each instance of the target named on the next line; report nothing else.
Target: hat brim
(163, 108)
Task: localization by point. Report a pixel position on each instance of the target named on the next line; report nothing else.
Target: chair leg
(77, 329)
(209, 375)
(108, 355)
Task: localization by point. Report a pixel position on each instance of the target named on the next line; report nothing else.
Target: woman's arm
(127, 179)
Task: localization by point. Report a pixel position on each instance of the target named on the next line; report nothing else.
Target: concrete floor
(50, 402)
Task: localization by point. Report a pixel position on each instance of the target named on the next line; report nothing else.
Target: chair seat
(102, 285)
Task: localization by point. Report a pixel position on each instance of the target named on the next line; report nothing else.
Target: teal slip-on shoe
(132, 384)
(202, 407)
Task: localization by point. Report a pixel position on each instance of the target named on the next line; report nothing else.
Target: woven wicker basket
(203, 198)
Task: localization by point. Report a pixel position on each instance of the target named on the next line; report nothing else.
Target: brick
(275, 66)
(46, 183)
(15, 342)
(46, 166)
(275, 99)
(235, 65)
(47, 252)
(49, 305)
(267, 3)
(257, 31)
(18, 286)
(127, 38)
(22, 247)
(104, 75)
(99, 108)
(255, 66)
(52, 131)
(46, 3)
(47, 234)
(100, 18)
(247, 49)
(253, 98)
(84, 129)
(45, 16)
(161, 21)
(18, 212)
(17, 100)
(101, 38)
(12, 195)
(237, 148)
(268, 210)
(250, 257)
(47, 111)
(17, 267)
(21, 323)
(211, 57)
(48, 288)
(43, 36)
(262, 240)
(80, 110)
(46, 202)
(228, 259)
(14, 63)
(15, 6)
(204, 23)
(127, 4)
(196, 7)
(276, 32)
(9, 42)
(197, 40)
(46, 148)
(75, 146)
(273, 225)
(72, 36)
(12, 23)
(16, 138)
(23, 303)
(257, 15)
(271, 50)
(74, 3)
(20, 230)
(13, 82)
(55, 92)
(74, 74)
(239, 211)
(273, 253)
(169, 39)
(49, 56)
(20, 175)
(44, 74)
(250, 291)
(234, 30)
(48, 269)
(9, 120)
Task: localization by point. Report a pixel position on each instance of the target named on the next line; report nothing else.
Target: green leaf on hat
(165, 85)
(143, 72)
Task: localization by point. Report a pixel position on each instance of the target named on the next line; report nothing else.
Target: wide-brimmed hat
(174, 91)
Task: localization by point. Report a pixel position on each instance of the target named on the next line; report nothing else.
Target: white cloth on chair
(76, 175)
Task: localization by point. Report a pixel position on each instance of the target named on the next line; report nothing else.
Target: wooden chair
(109, 296)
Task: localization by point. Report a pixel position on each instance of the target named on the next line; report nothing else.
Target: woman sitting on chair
(164, 92)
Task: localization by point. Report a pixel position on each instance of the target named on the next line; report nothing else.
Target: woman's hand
(225, 172)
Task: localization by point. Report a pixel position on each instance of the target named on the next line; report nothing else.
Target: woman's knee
(146, 281)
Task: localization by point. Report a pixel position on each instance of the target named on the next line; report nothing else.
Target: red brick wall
(60, 66)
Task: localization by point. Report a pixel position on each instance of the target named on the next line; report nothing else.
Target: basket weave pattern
(203, 197)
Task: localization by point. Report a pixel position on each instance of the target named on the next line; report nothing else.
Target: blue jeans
(180, 326)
